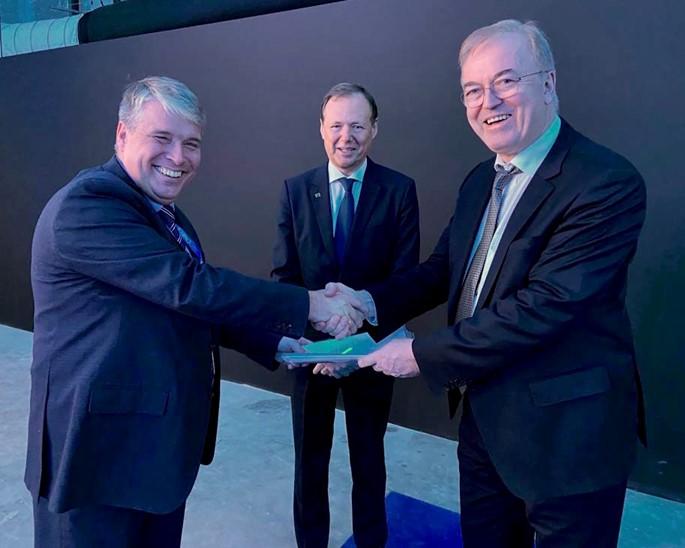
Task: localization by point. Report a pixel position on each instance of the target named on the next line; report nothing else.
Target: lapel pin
(317, 195)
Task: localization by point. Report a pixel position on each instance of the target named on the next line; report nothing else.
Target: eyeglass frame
(515, 89)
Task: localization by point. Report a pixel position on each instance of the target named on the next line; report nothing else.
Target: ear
(321, 132)
(121, 134)
(374, 129)
(550, 86)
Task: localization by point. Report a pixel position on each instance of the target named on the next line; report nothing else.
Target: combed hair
(174, 96)
(344, 89)
(539, 43)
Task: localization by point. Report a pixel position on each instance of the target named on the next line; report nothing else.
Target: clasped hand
(336, 310)
(339, 311)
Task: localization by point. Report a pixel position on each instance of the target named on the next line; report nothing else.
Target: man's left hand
(336, 370)
(287, 344)
(395, 359)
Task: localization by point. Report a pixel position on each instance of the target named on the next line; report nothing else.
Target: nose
(345, 133)
(490, 99)
(175, 152)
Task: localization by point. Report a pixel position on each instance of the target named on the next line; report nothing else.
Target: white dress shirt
(336, 190)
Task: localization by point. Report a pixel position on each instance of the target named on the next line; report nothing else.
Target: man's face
(507, 126)
(160, 152)
(347, 131)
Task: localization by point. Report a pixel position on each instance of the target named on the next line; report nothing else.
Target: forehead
(153, 116)
(499, 53)
(354, 105)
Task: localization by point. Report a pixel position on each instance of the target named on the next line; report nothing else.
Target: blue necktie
(343, 224)
(186, 243)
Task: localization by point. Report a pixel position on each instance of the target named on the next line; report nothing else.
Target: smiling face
(507, 126)
(347, 131)
(160, 151)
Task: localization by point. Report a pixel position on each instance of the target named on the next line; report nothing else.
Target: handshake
(339, 310)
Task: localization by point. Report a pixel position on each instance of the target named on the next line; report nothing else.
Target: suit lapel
(471, 203)
(318, 189)
(370, 193)
(535, 194)
(319, 197)
(113, 166)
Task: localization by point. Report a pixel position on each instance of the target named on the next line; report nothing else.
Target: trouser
(492, 517)
(105, 527)
(366, 397)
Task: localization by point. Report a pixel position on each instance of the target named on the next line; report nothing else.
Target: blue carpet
(413, 523)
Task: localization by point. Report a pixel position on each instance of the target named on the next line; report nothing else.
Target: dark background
(261, 79)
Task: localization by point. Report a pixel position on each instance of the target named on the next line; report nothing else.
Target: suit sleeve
(583, 263)
(405, 242)
(408, 294)
(407, 239)
(286, 261)
(102, 234)
(259, 346)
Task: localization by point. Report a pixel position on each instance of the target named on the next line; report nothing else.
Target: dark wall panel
(261, 80)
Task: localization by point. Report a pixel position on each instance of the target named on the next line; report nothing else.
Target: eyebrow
(166, 133)
(499, 74)
(353, 123)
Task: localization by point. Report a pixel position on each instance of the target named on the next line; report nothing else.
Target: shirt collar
(530, 158)
(155, 205)
(334, 174)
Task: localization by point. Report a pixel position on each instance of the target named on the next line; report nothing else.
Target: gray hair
(344, 89)
(174, 96)
(538, 41)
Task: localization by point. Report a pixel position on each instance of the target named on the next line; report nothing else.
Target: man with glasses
(538, 346)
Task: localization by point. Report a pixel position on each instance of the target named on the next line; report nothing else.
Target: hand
(286, 344)
(338, 288)
(334, 289)
(395, 359)
(337, 370)
(339, 315)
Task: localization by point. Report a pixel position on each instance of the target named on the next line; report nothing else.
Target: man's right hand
(337, 313)
(363, 303)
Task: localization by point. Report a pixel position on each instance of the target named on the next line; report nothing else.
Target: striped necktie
(468, 292)
(183, 240)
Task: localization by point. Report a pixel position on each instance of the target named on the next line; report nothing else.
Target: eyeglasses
(502, 87)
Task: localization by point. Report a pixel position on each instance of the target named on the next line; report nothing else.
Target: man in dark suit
(124, 387)
(355, 221)
(533, 265)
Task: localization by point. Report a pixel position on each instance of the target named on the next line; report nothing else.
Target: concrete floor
(244, 498)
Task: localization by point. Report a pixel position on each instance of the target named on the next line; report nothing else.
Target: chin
(498, 147)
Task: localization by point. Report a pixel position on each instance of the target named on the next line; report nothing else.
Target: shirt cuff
(367, 300)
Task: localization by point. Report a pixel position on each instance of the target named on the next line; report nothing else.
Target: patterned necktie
(343, 224)
(468, 292)
(189, 246)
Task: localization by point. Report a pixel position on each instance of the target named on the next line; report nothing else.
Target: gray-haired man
(125, 376)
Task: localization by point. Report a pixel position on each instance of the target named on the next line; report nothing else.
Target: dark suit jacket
(548, 355)
(384, 238)
(124, 323)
